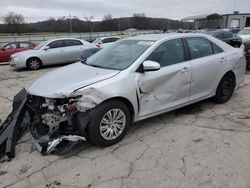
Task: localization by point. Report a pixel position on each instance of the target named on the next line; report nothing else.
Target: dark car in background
(234, 30)
(11, 48)
(246, 47)
(227, 37)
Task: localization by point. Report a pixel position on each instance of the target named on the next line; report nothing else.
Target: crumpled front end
(55, 124)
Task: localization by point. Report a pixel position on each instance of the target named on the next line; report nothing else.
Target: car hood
(62, 82)
(25, 53)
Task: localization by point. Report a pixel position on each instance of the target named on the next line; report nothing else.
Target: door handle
(222, 60)
(185, 69)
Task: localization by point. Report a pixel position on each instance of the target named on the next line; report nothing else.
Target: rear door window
(24, 45)
(199, 47)
(216, 49)
(72, 43)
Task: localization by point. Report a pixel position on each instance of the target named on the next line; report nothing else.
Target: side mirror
(3, 49)
(46, 48)
(151, 65)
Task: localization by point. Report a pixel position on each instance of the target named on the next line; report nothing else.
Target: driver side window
(168, 53)
(56, 44)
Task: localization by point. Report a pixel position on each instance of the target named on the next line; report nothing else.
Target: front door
(168, 87)
(55, 54)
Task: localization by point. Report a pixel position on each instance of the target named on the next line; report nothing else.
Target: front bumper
(17, 63)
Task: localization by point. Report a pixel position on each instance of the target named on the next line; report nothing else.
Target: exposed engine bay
(55, 125)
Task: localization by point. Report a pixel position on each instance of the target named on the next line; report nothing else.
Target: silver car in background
(134, 79)
(51, 52)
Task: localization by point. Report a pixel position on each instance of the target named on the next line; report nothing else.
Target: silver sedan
(57, 51)
(134, 79)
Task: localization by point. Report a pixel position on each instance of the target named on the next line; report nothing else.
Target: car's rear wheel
(34, 64)
(109, 123)
(225, 88)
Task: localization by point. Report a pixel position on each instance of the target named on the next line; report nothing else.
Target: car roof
(156, 37)
(109, 37)
(50, 40)
(21, 42)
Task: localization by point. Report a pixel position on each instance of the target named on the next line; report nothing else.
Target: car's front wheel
(109, 123)
(225, 88)
(34, 64)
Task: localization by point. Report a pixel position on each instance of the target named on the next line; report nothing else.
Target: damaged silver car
(134, 79)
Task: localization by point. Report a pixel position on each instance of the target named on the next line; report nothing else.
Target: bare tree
(139, 14)
(89, 20)
(107, 17)
(14, 22)
(12, 18)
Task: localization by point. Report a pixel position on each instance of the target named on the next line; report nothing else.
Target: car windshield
(38, 47)
(120, 55)
(244, 32)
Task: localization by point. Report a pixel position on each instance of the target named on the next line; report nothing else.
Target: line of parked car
(57, 51)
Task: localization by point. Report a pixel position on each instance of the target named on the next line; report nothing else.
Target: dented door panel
(166, 88)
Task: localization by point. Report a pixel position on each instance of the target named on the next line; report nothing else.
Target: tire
(34, 64)
(107, 136)
(225, 88)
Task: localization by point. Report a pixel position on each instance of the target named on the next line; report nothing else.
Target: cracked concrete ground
(203, 145)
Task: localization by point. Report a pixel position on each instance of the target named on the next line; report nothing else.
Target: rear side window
(72, 43)
(228, 35)
(169, 53)
(56, 44)
(199, 47)
(216, 49)
(24, 45)
(220, 36)
(107, 40)
(113, 39)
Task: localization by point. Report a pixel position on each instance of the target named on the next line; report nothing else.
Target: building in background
(216, 21)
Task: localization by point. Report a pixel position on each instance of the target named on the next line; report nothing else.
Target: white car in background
(51, 52)
(104, 41)
(244, 34)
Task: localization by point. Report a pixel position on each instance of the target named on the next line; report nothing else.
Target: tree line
(15, 23)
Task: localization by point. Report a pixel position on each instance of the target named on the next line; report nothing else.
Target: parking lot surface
(203, 145)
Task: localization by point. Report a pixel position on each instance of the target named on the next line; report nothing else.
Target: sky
(37, 10)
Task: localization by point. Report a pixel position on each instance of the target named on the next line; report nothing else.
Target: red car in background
(8, 49)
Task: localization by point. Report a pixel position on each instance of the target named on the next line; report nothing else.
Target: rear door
(73, 49)
(207, 62)
(170, 86)
(55, 53)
